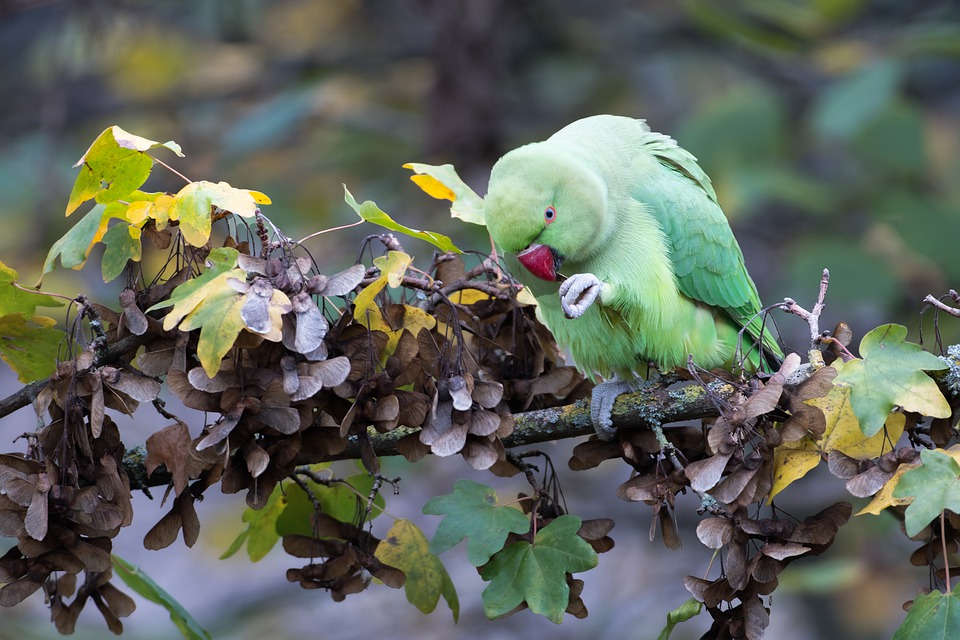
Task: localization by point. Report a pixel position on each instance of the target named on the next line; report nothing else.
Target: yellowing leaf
(891, 374)
(885, 497)
(443, 183)
(193, 206)
(394, 266)
(469, 296)
(406, 548)
(792, 461)
(138, 143)
(113, 167)
(843, 431)
(433, 187)
(260, 198)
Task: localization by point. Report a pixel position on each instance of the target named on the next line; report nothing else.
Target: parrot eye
(550, 214)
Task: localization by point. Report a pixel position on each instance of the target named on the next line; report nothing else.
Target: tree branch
(651, 405)
(28, 393)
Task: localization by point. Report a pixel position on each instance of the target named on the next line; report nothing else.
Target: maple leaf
(193, 204)
(933, 616)
(793, 460)
(934, 487)
(406, 548)
(536, 573)
(891, 374)
(472, 512)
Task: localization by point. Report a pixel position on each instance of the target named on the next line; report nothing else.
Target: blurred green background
(830, 129)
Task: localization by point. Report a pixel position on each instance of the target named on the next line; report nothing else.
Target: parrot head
(546, 208)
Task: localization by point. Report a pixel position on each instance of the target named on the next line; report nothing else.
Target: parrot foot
(578, 292)
(601, 404)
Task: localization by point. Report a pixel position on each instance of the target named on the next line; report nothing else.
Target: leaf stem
(172, 170)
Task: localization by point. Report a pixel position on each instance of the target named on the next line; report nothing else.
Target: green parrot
(631, 260)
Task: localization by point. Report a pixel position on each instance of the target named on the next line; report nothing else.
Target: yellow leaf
(792, 461)
(443, 183)
(394, 265)
(884, 498)
(433, 187)
(469, 296)
(525, 297)
(365, 310)
(843, 431)
(260, 198)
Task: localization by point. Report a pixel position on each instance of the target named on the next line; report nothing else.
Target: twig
(812, 318)
(934, 302)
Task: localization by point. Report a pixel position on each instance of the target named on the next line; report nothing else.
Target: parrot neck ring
(542, 261)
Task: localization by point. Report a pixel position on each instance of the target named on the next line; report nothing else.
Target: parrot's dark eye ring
(550, 214)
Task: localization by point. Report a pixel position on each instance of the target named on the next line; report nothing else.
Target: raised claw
(578, 292)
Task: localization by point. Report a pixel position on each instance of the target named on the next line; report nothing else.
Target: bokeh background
(831, 129)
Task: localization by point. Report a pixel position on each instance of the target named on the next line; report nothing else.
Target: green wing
(706, 258)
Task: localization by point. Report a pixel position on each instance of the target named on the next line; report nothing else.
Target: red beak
(541, 260)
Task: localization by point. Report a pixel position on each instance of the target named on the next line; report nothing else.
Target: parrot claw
(601, 405)
(578, 292)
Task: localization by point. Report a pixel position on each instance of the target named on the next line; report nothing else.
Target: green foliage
(370, 212)
(853, 102)
(933, 616)
(891, 374)
(261, 534)
(689, 609)
(143, 584)
(535, 573)
(406, 548)
(934, 487)
(472, 512)
(344, 501)
(29, 343)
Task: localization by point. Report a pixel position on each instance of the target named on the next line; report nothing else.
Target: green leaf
(933, 616)
(218, 317)
(891, 374)
(443, 183)
(406, 548)
(370, 212)
(108, 171)
(74, 246)
(123, 244)
(684, 612)
(261, 532)
(337, 500)
(13, 299)
(219, 261)
(30, 345)
(143, 584)
(844, 108)
(472, 512)
(209, 302)
(536, 573)
(934, 487)
(192, 206)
